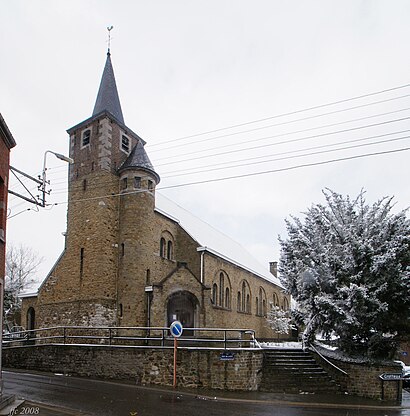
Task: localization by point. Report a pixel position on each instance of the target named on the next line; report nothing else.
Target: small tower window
(137, 182)
(124, 183)
(86, 138)
(150, 185)
(125, 144)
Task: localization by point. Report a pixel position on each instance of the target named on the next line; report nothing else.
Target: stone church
(132, 257)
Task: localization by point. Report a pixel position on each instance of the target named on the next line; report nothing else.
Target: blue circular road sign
(176, 329)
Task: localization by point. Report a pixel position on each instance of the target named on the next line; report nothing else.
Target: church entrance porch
(182, 306)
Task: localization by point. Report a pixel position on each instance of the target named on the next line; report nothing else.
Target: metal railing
(222, 338)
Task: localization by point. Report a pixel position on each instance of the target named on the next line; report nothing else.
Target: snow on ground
(279, 344)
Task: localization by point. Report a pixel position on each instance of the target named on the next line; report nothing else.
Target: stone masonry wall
(195, 368)
(363, 379)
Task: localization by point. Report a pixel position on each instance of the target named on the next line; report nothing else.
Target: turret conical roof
(138, 159)
(108, 98)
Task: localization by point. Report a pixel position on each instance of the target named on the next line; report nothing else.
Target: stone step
(294, 371)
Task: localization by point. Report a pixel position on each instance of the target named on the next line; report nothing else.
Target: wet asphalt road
(92, 397)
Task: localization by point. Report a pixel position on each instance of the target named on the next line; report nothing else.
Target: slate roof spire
(108, 98)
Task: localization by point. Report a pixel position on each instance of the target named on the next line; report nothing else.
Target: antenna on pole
(109, 28)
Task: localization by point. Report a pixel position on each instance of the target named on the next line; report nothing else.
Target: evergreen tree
(347, 265)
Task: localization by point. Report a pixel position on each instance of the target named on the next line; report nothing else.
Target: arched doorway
(31, 323)
(182, 306)
(31, 319)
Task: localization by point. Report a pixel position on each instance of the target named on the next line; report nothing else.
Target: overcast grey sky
(184, 68)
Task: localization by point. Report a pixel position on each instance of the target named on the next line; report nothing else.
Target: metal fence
(222, 338)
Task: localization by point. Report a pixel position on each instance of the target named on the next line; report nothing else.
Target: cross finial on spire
(109, 37)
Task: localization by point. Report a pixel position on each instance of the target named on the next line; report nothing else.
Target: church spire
(108, 98)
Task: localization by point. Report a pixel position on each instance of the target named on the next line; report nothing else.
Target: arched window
(215, 294)
(169, 250)
(257, 306)
(245, 297)
(275, 299)
(221, 289)
(261, 306)
(227, 298)
(238, 302)
(162, 245)
(285, 304)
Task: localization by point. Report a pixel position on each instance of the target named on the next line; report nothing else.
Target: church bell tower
(107, 154)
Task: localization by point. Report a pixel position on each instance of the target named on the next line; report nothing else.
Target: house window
(137, 182)
(122, 249)
(86, 138)
(125, 144)
(120, 310)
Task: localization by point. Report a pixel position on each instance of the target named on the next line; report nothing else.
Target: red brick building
(6, 143)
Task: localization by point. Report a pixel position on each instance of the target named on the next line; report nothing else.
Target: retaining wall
(363, 378)
(195, 368)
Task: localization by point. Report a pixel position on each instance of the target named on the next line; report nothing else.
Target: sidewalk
(32, 406)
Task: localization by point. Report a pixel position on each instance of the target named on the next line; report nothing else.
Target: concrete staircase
(294, 371)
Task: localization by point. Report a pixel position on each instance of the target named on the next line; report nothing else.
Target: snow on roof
(212, 240)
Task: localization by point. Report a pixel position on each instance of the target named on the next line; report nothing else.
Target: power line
(283, 123)
(288, 168)
(285, 141)
(284, 169)
(284, 153)
(285, 114)
(291, 157)
(287, 133)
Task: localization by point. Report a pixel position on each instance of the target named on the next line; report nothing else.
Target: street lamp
(44, 180)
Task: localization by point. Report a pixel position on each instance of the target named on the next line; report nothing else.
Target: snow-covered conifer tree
(347, 264)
